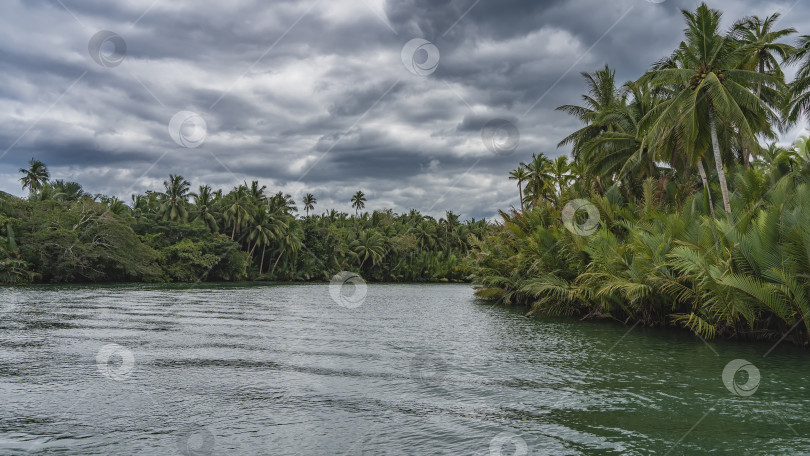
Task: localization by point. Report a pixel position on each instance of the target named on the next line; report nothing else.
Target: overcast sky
(315, 96)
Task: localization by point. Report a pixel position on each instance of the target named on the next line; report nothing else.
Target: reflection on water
(415, 369)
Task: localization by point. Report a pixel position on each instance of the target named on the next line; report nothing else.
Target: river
(407, 369)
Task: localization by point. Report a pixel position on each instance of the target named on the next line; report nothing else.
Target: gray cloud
(312, 96)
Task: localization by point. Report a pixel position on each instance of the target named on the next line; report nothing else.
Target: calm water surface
(416, 369)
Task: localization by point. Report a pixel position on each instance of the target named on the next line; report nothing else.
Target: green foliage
(660, 254)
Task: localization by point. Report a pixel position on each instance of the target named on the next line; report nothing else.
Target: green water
(410, 369)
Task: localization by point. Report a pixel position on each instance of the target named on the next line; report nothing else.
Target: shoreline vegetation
(678, 209)
(60, 234)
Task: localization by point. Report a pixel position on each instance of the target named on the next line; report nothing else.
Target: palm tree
(282, 203)
(368, 245)
(763, 53)
(799, 104)
(559, 170)
(602, 95)
(520, 175)
(238, 213)
(256, 194)
(309, 203)
(708, 89)
(618, 152)
(265, 229)
(35, 176)
(289, 241)
(358, 201)
(175, 198)
(202, 205)
(67, 191)
(539, 184)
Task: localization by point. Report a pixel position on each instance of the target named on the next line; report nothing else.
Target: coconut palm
(710, 92)
(35, 177)
(358, 201)
(559, 170)
(762, 52)
(520, 175)
(603, 94)
(368, 245)
(281, 203)
(238, 212)
(309, 203)
(265, 229)
(799, 104)
(539, 186)
(173, 207)
(203, 200)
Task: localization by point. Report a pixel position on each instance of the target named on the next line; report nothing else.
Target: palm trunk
(520, 189)
(718, 162)
(276, 263)
(705, 180)
(745, 149)
(261, 264)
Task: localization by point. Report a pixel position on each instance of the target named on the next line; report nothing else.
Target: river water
(409, 369)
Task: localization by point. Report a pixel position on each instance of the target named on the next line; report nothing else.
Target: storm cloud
(313, 96)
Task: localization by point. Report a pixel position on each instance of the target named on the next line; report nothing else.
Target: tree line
(699, 218)
(60, 233)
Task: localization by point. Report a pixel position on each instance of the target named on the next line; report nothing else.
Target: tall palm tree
(238, 213)
(618, 152)
(174, 198)
(265, 229)
(35, 176)
(520, 175)
(559, 170)
(358, 201)
(256, 193)
(539, 186)
(762, 52)
(282, 203)
(602, 95)
(309, 203)
(289, 242)
(799, 104)
(708, 89)
(203, 201)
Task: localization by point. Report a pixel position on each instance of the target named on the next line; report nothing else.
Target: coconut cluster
(698, 78)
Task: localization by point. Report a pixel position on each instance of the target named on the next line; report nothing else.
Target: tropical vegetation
(678, 207)
(60, 233)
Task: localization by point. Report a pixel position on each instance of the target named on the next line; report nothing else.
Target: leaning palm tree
(309, 203)
(358, 201)
(35, 176)
(265, 229)
(520, 175)
(709, 92)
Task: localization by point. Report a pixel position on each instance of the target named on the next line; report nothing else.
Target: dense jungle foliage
(61, 234)
(703, 220)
